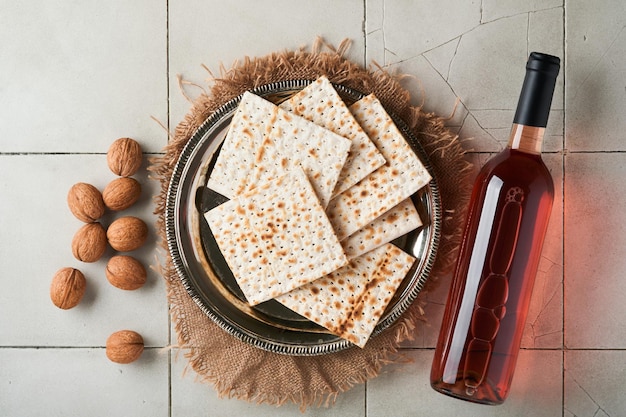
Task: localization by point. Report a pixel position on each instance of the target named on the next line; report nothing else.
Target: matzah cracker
(264, 141)
(397, 222)
(276, 237)
(401, 176)
(320, 103)
(350, 301)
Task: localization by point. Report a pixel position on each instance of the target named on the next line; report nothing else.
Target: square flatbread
(397, 222)
(276, 237)
(320, 103)
(401, 176)
(350, 301)
(264, 141)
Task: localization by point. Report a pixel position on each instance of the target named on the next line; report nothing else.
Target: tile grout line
(74, 347)
(365, 399)
(563, 288)
(563, 166)
(563, 152)
(167, 63)
(78, 153)
(364, 29)
(365, 57)
(168, 121)
(426, 349)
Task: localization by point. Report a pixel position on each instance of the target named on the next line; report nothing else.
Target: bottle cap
(535, 99)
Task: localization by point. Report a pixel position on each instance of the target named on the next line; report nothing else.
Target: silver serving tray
(206, 276)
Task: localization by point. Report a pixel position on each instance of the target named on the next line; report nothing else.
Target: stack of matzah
(317, 191)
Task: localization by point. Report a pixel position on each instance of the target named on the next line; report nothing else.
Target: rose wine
(507, 220)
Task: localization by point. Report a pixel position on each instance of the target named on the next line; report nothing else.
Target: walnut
(124, 157)
(125, 272)
(121, 193)
(85, 202)
(127, 233)
(89, 242)
(67, 288)
(124, 346)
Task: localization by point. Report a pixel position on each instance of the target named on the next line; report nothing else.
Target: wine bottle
(500, 250)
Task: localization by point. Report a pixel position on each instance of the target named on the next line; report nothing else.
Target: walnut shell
(67, 288)
(121, 193)
(125, 272)
(127, 233)
(124, 157)
(124, 346)
(85, 202)
(89, 242)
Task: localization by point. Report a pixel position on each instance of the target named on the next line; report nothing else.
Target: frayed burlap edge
(239, 370)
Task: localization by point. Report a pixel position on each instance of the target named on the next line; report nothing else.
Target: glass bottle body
(491, 290)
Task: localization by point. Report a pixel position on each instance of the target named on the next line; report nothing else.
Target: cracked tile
(596, 45)
(479, 139)
(497, 9)
(429, 88)
(488, 130)
(441, 58)
(488, 70)
(458, 61)
(545, 34)
(503, 46)
(412, 28)
(374, 31)
(495, 119)
(593, 383)
(544, 324)
(404, 390)
(578, 401)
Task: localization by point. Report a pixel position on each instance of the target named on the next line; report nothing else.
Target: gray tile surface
(595, 70)
(588, 373)
(595, 289)
(74, 76)
(81, 382)
(404, 391)
(36, 220)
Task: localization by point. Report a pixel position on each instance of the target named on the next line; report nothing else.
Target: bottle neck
(528, 139)
(533, 107)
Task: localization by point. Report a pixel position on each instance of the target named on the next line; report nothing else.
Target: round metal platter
(206, 276)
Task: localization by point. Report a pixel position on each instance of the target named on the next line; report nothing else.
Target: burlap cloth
(239, 370)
